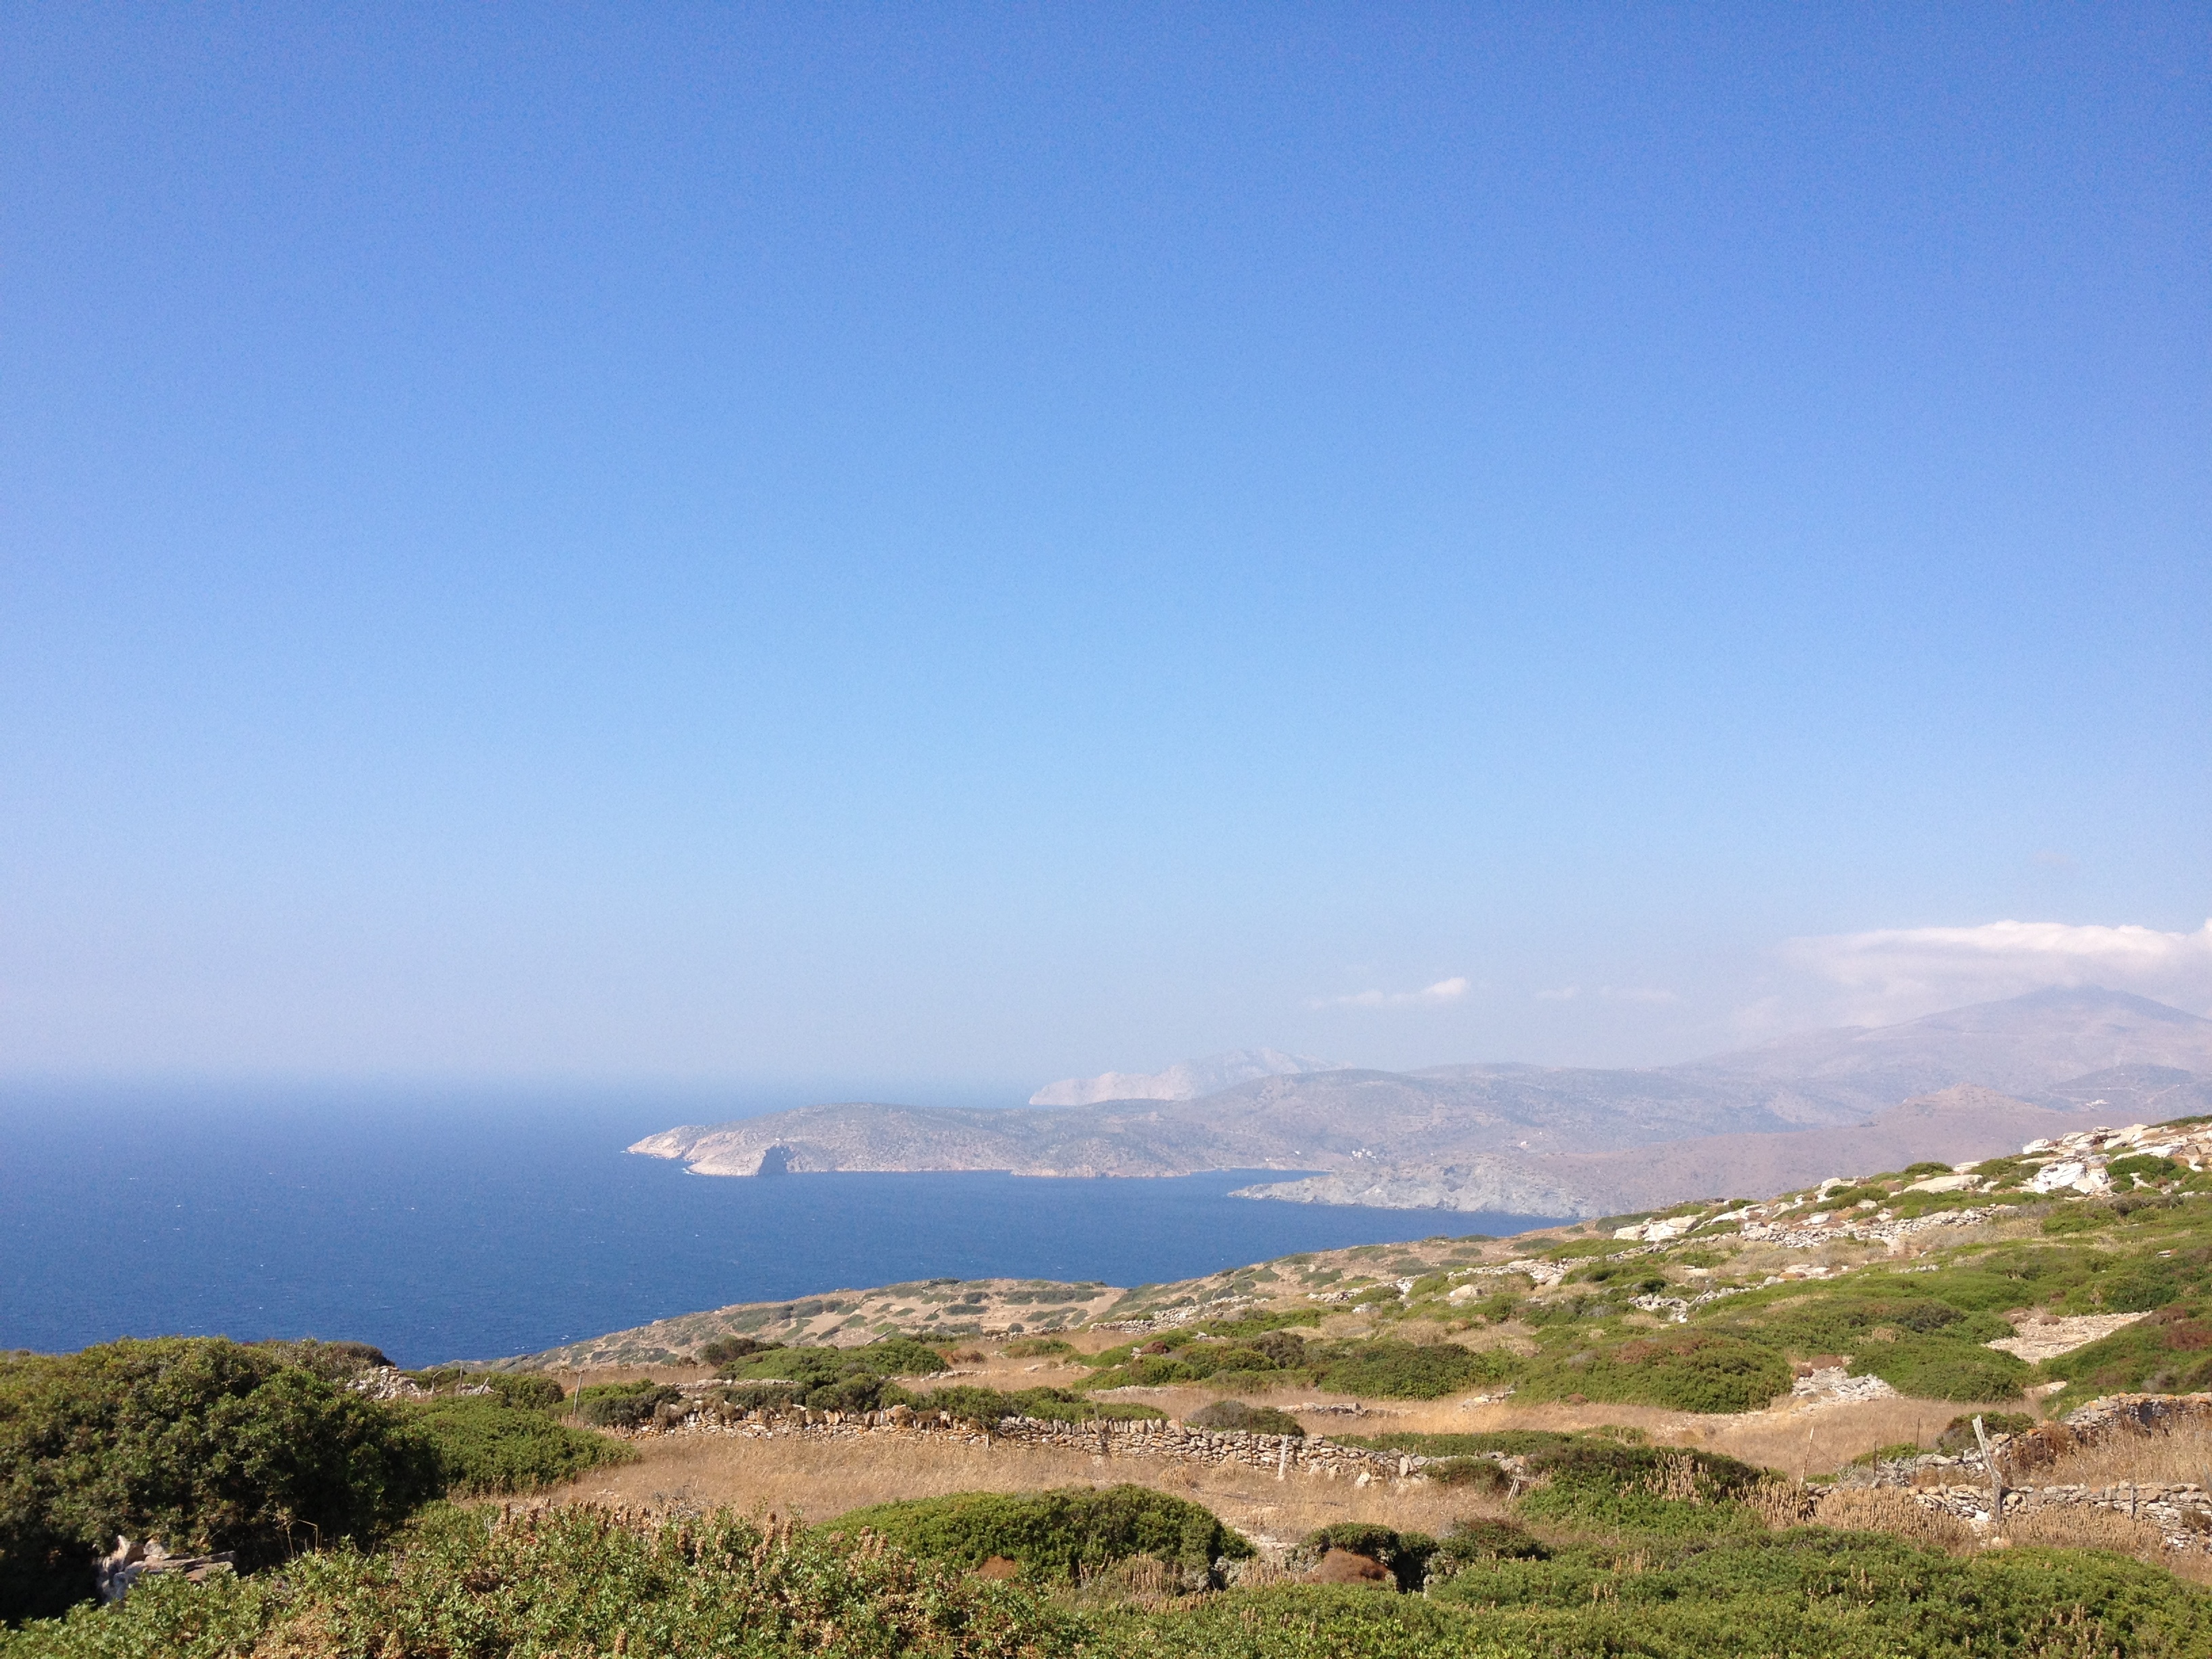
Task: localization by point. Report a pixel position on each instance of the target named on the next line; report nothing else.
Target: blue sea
(456, 1227)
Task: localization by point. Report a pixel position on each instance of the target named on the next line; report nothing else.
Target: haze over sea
(442, 1227)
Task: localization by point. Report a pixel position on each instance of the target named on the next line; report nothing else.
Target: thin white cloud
(1444, 990)
(1608, 993)
(1898, 972)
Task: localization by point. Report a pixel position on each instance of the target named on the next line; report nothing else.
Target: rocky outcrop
(1496, 1185)
(132, 1560)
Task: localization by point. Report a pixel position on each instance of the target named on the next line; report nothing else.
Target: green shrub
(728, 1350)
(624, 1405)
(1032, 1347)
(1958, 1434)
(1407, 1370)
(568, 1582)
(1059, 1536)
(987, 1408)
(1472, 1542)
(200, 1443)
(334, 1362)
(1938, 1369)
(486, 1447)
(1482, 1474)
(2150, 1168)
(1689, 1372)
(1236, 1416)
(841, 1379)
(756, 1396)
(523, 1390)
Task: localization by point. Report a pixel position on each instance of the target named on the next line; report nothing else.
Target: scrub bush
(200, 1443)
(1058, 1536)
(486, 1447)
(1406, 1370)
(987, 1408)
(624, 1404)
(1238, 1416)
(1403, 1555)
(727, 1350)
(1689, 1372)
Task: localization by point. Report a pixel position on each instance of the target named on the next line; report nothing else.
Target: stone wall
(1171, 1440)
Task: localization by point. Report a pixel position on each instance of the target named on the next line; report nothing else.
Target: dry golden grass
(2083, 1527)
(1793, 1439)
(1885, 1508)
(1782, 1504)
(2170, 1457)
(819, 1478)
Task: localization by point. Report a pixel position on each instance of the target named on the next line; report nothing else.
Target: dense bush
(200, 1443)
(1482, 1474)
(1688, 1372)
(523, 1390)
(486, 1447)
(567, 1583)
(571, 1583)
(986, 1407)
(1407, 1370)
(1059, 1536)
(1238, 1416)
(1941, 1370)
(1660, 1490)
(727, 1350)
(1471, 1541)
(334, 1362)
(1283, 1350)
(1958, 1434)
(624, 1405)
(841, 1379)
(1034, 1347)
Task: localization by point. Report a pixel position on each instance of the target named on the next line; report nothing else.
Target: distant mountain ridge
(1186, 1079)
(1447, 1136)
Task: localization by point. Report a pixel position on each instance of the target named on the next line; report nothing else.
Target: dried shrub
(1781, 1504)
(2084, 1526)
(1886, 1510)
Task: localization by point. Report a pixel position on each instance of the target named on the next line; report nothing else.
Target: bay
(447, 1226)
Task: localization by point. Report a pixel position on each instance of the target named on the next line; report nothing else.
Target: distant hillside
(1186, 1079)
(1546, 1139)
(1726, 1262)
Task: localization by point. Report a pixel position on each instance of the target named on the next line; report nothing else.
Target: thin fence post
(1996, 1480)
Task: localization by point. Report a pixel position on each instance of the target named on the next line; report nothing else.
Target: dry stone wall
(1169, 1440)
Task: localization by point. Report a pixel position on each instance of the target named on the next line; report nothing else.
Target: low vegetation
(988, 1407)
(1054, 1536)
(204, 1443)
(487, 1448)
(1597, 1542)
(894, 1582)
(1239, 1417)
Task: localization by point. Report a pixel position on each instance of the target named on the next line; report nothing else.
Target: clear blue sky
(934, 547)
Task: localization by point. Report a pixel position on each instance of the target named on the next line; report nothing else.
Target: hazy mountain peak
(1186, 1079)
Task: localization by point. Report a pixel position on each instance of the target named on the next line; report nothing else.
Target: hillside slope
(1535, 1138)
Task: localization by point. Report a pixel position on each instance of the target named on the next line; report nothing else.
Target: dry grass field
(816, 1480)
